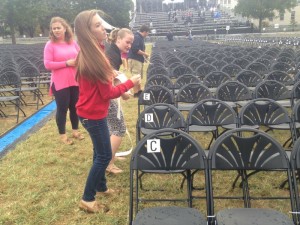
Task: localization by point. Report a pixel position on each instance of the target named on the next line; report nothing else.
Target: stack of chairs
(21, 75)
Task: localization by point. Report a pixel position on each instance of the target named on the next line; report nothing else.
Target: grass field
(42, 180)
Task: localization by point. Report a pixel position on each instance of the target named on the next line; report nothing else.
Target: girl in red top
(95, 75)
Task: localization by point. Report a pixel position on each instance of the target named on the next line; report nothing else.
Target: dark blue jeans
(99, 133)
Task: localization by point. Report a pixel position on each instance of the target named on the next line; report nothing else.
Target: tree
(263, 9)
(116, 11)
(28, 15)
(9, 15)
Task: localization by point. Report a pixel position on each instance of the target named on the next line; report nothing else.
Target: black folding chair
(245, 150)
(167, 150)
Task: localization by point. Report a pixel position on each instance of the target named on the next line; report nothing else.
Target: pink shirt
(55, 57)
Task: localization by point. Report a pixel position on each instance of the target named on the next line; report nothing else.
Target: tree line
(32, 17)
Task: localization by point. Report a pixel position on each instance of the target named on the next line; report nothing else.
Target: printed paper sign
(153, 145)
(149, 117)
(147, 96)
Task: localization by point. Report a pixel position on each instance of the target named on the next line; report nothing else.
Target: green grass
(42, 181)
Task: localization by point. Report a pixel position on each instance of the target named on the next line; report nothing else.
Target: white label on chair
(149, 117)
(153, 145)
(147, 96)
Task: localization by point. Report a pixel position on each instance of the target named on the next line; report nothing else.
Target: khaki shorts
(136, 67)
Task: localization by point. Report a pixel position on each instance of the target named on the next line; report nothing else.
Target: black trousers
(66, 99)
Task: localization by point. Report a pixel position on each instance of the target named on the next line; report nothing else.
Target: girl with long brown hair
(95, 76)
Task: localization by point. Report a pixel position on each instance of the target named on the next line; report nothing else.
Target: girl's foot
(92, 207)
(77, 135)
(109, 191)
(66, 140)
(113, 169)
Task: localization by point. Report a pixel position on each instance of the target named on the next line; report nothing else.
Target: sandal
(108, 192)
(113, 169)
(78, 136)
(67, 141)
(92, 207)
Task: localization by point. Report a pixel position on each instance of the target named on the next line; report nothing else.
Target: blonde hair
(118, 33)
(69, 33)
(91, 61)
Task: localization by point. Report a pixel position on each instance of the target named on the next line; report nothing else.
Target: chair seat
(251, 216)
(297, 125)
(2, 90)
(195, 128)
(242, 103)
(169, 216)
(231, 104)
(185, 107)
(283, 126)
(284, 103)
(229, 126)
(146, 131)
(8, 98)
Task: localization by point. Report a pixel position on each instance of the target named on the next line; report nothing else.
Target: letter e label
(147, 96)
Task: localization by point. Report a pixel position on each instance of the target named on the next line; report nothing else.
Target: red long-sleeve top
(94, 97)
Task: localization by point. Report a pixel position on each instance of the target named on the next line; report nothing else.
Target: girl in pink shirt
(59, 57)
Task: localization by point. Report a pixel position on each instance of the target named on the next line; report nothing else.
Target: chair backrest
(219, 64)
(282, 66)
(241, 62)
(186, 79)
(159, 116)
(295, 92)
(263, 111)
(180, 70)
(234, 150)
(295, 156)
(157, 70)
(195, 64)
(192, 93)
(231, 69)
(29, 70)
(249, 78)
(211, 112)
(9, 78)
(257, 67)
(160, 79)
(204, 69)
(155, 94)
(272, 89)
(280, 76)
(215, 78)
(233, 91)
(177, 150)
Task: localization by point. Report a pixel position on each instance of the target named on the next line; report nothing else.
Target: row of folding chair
(234, 93)
(215, 117)
(201, 69)
(15, 93)
(164, 153)
(212, 80)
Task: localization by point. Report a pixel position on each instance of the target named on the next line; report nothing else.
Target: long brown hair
(69, 33)
(91, 61)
